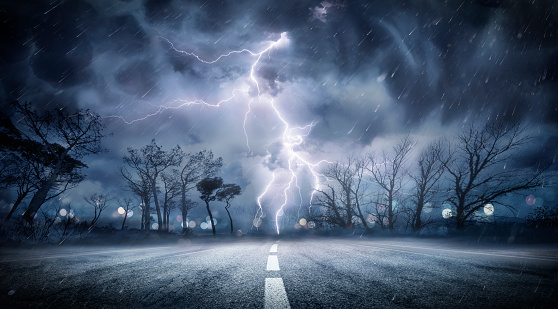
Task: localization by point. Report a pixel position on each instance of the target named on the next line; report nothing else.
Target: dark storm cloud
(357, 70)
(124, 35)
(137, 78)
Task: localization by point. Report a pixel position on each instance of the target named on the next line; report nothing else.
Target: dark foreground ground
(313, 273)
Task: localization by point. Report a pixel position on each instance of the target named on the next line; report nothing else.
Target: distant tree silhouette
(208, 187)
(226, 193)
(478, 168)
(99, 202)
(388, 170)
(170, 190)
(128, 207)
(338, 198)
(140, 186)
(543, 217)
(196, 167)
(54, 141)
(149, 163)
(429, 170)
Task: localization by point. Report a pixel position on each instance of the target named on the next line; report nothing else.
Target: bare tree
(197, 166)
(208, 187)
(387, 171)
(429, 170)
(149, 162)
(128, 207)
(344, 198)
(140, 186)
(24, 181)
(478, 169)
(326, 199)
(359, 188)
(172, 205)
(69, 225)
(341, 202)
(64, 137)
(171, 190)
(225, 194)
(100, 202)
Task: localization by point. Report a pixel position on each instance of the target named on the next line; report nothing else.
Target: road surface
(282, 273)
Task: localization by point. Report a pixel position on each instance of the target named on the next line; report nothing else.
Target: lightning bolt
(290, 139)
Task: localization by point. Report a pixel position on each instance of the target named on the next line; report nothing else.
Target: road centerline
(275, 294)
(272, 262)
(273, 248)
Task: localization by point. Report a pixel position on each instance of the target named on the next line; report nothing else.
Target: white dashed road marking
(275, 295)
(272, 262)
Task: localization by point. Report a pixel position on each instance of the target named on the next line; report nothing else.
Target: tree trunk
(390, 211)
(142, 223)
(165, 218)
(361, 216)
(230, 219)
(157, 207)
(348, 206)
(460, 215)
(184, 212)
(39, 198)
(418, 221)
(40, 195)
(147, 213)
(16, 204)
(168, 221)
(124, 221)
(210, 218)
(460, 220)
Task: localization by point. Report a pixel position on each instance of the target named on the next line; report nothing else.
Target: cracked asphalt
(317, 273)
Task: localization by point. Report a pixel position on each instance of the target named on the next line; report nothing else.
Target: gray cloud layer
(357, 70)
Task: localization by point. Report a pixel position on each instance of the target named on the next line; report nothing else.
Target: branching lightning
(290, 138)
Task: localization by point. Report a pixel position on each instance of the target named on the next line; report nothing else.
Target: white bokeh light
(489, 209)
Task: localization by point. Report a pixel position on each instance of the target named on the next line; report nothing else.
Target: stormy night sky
(264, 82)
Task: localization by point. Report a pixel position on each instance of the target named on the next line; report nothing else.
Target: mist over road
(282, 273)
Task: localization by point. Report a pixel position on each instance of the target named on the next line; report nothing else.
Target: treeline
(462, 178)
(400, 187)
(166, 179)
(42, 158)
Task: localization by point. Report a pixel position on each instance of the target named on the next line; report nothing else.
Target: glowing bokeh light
(121, 210)
(155, 226)
(489, 209)
(179, 218)
(63, 212)
(302, 222)
(203, 225)
(446, 213)
(530, 200)
(192, 224)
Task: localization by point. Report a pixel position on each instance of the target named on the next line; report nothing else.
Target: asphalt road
(279, 273)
